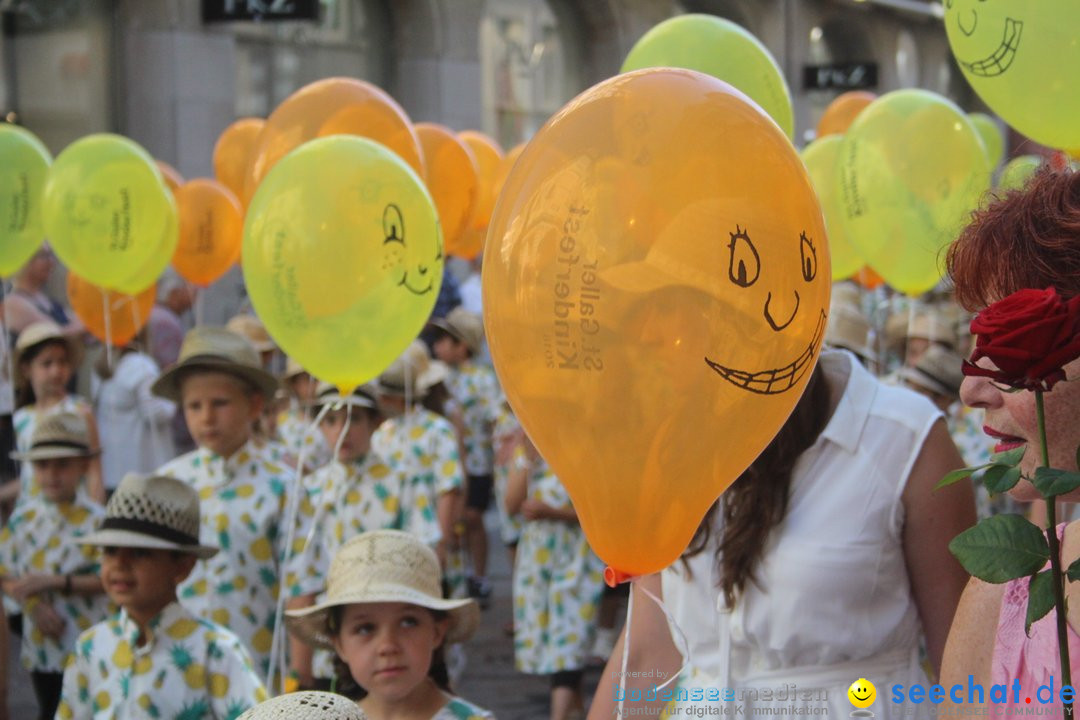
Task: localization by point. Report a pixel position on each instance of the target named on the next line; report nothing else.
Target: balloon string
(277, 645)
(198, 305)
(680, 638)
(108, 328)
(626, 646)
(5, 346)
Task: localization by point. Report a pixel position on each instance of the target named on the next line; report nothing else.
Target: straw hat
(251, 328)
(152, 511)
(848, 328)
(38, 333)
(383, 566)
(939, 370)
(468, 327)
(405, 373)
(58, 435)
(436, 372)
(217, 350)
(327, 394)
(306, 705)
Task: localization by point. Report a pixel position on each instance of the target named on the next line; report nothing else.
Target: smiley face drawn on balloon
(987, 36)
(744, 271)
(417, 272)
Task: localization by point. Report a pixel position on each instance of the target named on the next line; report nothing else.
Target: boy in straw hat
(155, 659)
(243, 482)
(458, 339)
(357, 492)
(55, 582)
(385, 617)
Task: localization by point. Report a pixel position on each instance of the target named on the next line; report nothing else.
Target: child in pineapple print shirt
(243, 484)
(54, 580)
(155, 659)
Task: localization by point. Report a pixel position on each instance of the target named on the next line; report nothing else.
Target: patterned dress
(296, 434)
(461, 709)
(476, 390)
(38, 539)
(558, 581)
(355, 498)
(244, 508)
(188, 669)
(505, 425)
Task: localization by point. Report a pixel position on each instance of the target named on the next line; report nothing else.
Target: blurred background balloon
(700, 303)
(111, 317)
(489, 156)
(821, 160)
(211, 228)
(721, 48)
(1016, 172)
(342, 257)
(912, 167)
(842, 111)
(172, 178)
(1022, 58)
(108, 214)
(334, 106)
(232, 153)
(452, 178)
(24, 166)
(868, 279)
(991, 135)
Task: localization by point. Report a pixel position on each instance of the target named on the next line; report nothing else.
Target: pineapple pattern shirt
(461, 709)
(188, 669)
(296, 434)
(38, 540)
(477, 392)
(243, 511)
(424, 445)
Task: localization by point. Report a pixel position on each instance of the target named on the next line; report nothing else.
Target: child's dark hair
(24, 393)
(436, 398)
(347, 686)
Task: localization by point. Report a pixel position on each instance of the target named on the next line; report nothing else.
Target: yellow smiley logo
(862, 693)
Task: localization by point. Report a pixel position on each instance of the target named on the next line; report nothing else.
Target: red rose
(1029, 336)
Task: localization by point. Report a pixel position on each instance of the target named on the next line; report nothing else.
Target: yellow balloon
(820, 158)
(24, 164)
(1016, 172)
(656, 284)
(342, 257)
(991, 136)
(108, 214)
(912, 167)
(1022, 58)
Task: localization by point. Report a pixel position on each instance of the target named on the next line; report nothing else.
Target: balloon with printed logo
(991, 136)
(820, 158)
(721, 48)
(108, 214)
(173, 179)
(334, 106)
(112, 317)
(343, 280)
(1022, 58)
(232, 153)
(452, 178)
(1017, 171)
(912, 167)
(842, 111)
(211, 228)
(489, 157)
(24, 165)
(701, 303)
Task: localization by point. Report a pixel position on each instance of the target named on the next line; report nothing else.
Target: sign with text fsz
(231, 10)
(840, 76)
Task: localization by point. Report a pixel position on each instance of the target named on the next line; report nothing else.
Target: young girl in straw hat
(385, 617)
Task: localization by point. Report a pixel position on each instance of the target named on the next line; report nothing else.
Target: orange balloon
(488, 156)
(842, 112)
(868, 278)
(334, 106)
(232, 153)
(127, 314)
(211, 231)
(173, 180)
(653, 349)
(451, 178)
(505, 166)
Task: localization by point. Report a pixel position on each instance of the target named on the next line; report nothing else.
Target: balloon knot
(614, 577)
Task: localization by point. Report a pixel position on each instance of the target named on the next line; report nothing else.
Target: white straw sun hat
(383, 566)
(307, 705)
(58, 435)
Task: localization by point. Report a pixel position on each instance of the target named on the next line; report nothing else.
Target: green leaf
(1053, 481)
(1001, 548)
(1040, 598)
(1009, 457)
(1001, 478)
(1073, 573)
(956, 476)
